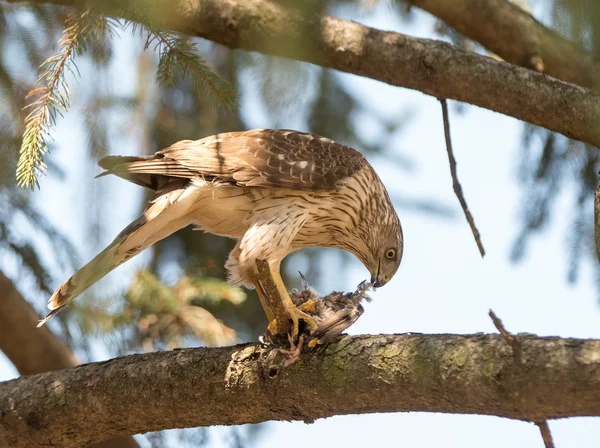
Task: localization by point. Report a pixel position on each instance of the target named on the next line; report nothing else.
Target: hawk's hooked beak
(378, 279)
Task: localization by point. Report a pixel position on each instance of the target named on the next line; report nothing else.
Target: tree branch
(455, 183)
(473, 374)
(546, 435)
(432, 67)
(597, 219)
(30, 351)
(517, 37)
(509, 338)
(34, 350)
(515, 346)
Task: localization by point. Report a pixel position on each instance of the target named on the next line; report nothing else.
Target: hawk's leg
(267, 306)
(279, 301)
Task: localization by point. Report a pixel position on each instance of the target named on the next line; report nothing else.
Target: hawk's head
(380, 249)
(386, 254)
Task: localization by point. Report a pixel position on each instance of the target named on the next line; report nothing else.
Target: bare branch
(546, 435)
(33, 350)
(517, 37)
(30, 350)
(510, 339)
(247, 384)
(455, 183)
(597, 219)
(517, 353)
(435, 68)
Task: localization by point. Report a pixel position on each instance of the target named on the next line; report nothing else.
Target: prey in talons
(329, 316)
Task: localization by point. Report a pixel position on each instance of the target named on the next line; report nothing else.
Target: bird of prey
(274, 191)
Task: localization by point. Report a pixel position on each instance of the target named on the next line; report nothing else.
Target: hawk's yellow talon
(273, 327)
(296, 314)
(278, 304)
(309, 306)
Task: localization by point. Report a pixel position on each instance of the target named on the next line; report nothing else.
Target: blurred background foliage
(173, 100)
(550, 163)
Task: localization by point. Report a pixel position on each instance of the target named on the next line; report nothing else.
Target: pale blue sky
(443, 286)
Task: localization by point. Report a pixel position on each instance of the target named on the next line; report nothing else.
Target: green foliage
(154, 314)
(25, 245)
(96, 120)
(51, 97)
(579, 21)
(552, 165)
(178, 59)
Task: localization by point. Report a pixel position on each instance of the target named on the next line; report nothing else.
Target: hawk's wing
(261, 158)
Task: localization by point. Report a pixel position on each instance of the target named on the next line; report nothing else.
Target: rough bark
(477, 374)
(517, 37)
(432, 67)
(34, 350)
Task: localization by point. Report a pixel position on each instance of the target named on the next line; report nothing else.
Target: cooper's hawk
(274, 191)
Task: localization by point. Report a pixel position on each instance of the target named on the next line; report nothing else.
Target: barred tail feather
(102, 264)
(50, 315)
(165, 215)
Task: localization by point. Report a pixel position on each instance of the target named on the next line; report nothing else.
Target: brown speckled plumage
(275, 191)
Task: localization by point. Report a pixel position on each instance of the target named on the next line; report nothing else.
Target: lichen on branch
(471, 374)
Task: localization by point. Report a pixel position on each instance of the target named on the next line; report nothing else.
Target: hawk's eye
(390, 254)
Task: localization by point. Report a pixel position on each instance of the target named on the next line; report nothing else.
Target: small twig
(510, 339)
(455, 183)
(516, 348)
(597, 219)
(546, 436)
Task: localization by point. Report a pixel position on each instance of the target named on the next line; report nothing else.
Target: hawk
(274, 191)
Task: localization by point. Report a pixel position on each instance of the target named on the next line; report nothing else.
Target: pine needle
(179, 58)
(51, 96)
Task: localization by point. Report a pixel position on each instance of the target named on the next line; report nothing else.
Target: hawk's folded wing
(259, 158)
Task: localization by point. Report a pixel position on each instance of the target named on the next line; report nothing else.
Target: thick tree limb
(34, 350)
(517, 37)
(29, 350)
(515, 346)
(474, 374)
(432, 67)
